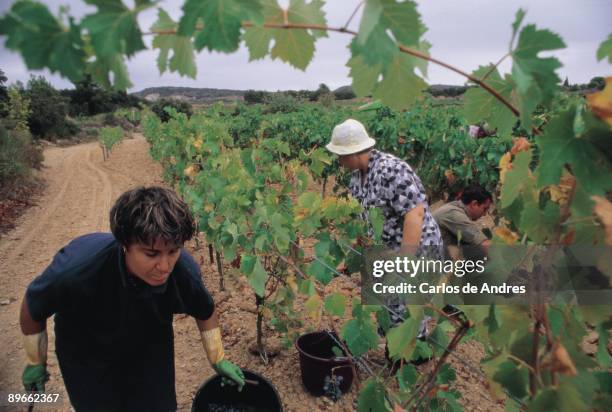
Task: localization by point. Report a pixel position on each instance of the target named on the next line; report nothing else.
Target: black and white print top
(392, 186)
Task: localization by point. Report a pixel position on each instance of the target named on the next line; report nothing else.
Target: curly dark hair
(475, 192)
(145, 214)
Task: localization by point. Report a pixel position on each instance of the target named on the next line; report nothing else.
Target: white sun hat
(349, 137)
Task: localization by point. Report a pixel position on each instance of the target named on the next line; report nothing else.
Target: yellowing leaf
(601, 102)
(521, 144)
(558, 360)
(505, 164)
(603, 210)
(506, 235)
(313, 307)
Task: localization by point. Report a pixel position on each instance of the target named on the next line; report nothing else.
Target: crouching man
(113, 297)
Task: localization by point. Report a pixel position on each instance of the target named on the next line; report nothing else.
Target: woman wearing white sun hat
(389, 183)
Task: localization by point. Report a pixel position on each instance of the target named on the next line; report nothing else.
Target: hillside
(189, 94)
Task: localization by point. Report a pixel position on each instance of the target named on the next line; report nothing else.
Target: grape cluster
(331, 386)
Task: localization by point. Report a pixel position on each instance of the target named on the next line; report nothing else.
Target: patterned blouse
(392, 186)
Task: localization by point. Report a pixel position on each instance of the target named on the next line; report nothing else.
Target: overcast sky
(464, 33)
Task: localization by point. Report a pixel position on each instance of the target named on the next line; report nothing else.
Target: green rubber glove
(34, 377)
(231, 372)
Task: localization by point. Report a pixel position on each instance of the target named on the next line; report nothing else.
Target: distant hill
(206, 95)
(189, 94)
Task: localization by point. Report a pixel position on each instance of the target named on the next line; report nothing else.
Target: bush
(254, 96)
(181, 107)
(110, 136)
(344, 93)
(281, 103)
(17, 156)
(48, 110)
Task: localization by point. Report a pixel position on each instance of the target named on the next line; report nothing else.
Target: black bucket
(317, 360)
(212, 397)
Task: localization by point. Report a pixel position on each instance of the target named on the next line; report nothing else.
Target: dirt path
(80, 190)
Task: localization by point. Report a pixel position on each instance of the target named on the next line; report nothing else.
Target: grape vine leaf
(512, 378)
(406, 377)
(222, 22)
(564, 398)
(517, 179)
(258, 278)
(560, 147)
(518, 20)
(359, 333)
(535, 77)
(43, 42)
(480, 105)
(101, 68)
(372, 397)
(605, 50)
(538, 223)
(402, 339)
(114, 28)
(294, 46)
(400, 86)
(183, 58)
(364, 76)
(369, 19)
(400, 18)
(335, 304)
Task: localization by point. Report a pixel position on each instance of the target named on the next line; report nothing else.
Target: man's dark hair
(145, 214)
(475, 192)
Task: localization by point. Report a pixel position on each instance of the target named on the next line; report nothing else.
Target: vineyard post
(220, 270)
(210, 253)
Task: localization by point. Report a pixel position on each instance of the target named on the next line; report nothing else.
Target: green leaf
(605, 50)
(294, 46)
(559, 147)
(446, 374)
(539, 224)
(322, 272)
(517, 179)
(369, 19)
(114, 28)
(377, 220)
(480, 105)
(379, 49)
(512, 378)
(372, 397)
(565, 398)
(43, 42)
(403, 20)
(518, 20)
(247, 263)
(258, 278)
(222, 22)
(364, 76)
(183, 57)
(335, 304)
(102, 67)
(406, 377)
(384, 319)
(603, 357)
(535, 77)
(401, 339)
(307, 287)
(400, 86)
(359, 333)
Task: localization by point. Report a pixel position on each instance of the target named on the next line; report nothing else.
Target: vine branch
(401, 47)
